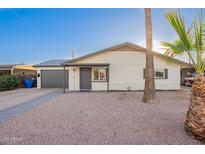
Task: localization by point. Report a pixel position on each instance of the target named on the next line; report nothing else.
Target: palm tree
(149, 91)
(191, 42)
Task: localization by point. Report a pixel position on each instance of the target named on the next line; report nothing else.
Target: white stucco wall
(38, 79)
(74, 78)
(126, 71)
(99, 86)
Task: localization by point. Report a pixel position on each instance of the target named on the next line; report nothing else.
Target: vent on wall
(129, 88)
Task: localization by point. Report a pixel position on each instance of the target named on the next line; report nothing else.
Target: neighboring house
(121, 67)
(6, 69)
(17, 69)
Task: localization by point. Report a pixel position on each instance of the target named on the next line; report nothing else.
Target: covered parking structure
(17, 69)
(6, 69)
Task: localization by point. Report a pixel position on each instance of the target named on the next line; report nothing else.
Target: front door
(85, 79)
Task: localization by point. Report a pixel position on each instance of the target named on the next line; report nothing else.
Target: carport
(186, 72)
(6, 69)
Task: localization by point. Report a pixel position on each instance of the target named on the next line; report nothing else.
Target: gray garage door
(53, 79)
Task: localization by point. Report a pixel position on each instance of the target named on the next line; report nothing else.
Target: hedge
(8, 82)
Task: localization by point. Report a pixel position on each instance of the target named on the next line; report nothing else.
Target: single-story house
(120, 67)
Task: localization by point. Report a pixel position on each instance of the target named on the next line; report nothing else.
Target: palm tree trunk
(195, 117)
(149, 91)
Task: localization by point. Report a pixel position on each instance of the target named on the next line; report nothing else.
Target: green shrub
(8, 82)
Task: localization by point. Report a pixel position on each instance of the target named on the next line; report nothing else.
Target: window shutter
(144, 73)
(107, 74)
(166, 73)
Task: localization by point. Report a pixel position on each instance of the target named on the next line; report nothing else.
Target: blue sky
(34, 35)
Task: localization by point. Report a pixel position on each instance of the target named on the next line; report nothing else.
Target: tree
(191, 42)
(149, 91)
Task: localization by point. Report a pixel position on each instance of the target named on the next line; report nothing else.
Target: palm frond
(178, 51)
(178, 23)
(191, 39)
(172, 58)
(176, 47)
(199, 42)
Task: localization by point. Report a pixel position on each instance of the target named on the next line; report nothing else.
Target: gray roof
(51, 63)
(7, 66)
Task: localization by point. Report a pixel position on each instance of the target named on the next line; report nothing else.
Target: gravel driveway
(102, 118)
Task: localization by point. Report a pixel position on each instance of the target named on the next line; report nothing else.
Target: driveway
(102, 118)
(18, 101)
(19, 96)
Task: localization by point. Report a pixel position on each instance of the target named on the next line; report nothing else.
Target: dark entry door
(85, 79)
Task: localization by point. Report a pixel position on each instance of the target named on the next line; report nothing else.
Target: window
(159, 73)
(99, 74)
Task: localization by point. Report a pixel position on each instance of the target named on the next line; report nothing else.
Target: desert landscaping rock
(102, 118)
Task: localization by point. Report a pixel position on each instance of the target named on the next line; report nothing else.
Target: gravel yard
(102, 118)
